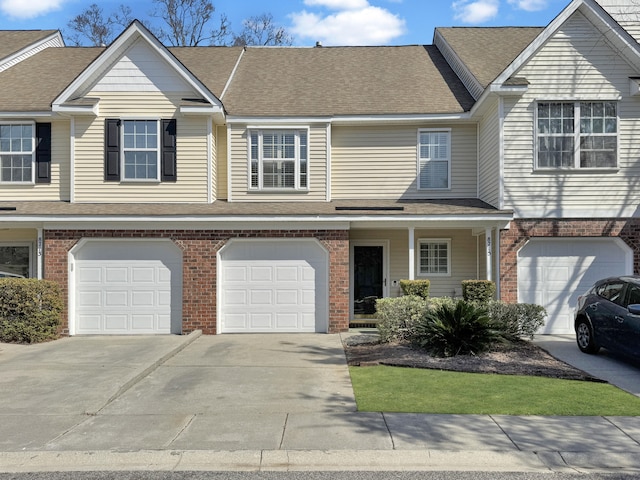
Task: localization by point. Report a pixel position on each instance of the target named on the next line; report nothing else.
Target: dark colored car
(608, 316)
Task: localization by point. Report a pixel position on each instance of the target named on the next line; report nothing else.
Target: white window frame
(30, 246)
(260, 132)
(433, 241)
(420, 160)
(33, 154)
(157, 149)
(577, 135)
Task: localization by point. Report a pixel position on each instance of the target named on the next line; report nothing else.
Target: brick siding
(512, 240)
(199, 249)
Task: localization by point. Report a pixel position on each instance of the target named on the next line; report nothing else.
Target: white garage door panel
(273, 286)
(555, 272)
(128, 288)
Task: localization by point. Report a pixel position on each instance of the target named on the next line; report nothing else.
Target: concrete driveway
(621, 372)
(102, 393)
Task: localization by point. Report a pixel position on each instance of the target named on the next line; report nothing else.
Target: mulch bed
(521, 358)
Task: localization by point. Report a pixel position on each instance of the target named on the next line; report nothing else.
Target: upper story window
(279, 159)
(17, 152)
(577, 135)
(434, 257)
(434, 159)
(140, 150)
(140, 147)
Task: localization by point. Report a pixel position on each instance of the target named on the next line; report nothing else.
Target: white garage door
(555, 272)
(127, 287)
(273, 286)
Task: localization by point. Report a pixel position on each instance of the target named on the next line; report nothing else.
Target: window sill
(575, 171)
(265, 191)
(141, 182)
(17, 184)
(429, 275)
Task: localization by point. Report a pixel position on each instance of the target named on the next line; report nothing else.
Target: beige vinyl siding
(220, 170)
(18, 235)
(464, 257)
(576, 64)
(626, 13)
(317, 153)
(489, 157)
(58, 189)
(382, 162)
(191, 147)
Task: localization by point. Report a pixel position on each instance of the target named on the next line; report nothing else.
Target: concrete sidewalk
(165, 403)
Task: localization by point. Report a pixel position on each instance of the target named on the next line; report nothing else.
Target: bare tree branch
(261, 30)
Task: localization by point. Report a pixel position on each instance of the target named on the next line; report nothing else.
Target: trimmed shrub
(480, 291)
(516, 320)
(419, 288)
(30, 310)
(397, 316)
(457, 328)
(435, 302)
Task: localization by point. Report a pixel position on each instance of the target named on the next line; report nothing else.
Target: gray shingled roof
(487, 51)
(341, 208)
(38, 80)
(12, 41)
(345, 81)
(287, 82)
(211, 65)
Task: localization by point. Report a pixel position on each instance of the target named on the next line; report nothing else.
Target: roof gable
(132, 40)
(625, 44)
(18, 45)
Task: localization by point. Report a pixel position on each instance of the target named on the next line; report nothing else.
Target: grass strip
(412, 390)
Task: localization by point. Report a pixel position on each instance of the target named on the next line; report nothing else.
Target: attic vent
(634, 86)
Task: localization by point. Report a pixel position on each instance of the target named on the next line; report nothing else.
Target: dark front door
(367, 278)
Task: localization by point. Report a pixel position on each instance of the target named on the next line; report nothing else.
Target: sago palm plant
(458, 328)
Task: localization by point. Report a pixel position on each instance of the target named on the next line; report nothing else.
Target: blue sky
(333, 22)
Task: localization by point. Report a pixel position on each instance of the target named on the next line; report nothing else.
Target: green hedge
(397, 316)
(517, 320)
(419, 288)
(480, 291)
(30, 310)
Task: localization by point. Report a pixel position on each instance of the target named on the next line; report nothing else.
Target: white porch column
(39, 256)
(412, 253)
(489, 245)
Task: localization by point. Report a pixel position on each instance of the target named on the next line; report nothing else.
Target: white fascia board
(129, 37)
(350, 119)
(66, 110)
(26, 115)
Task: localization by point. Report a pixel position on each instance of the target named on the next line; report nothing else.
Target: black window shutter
(112, 150)
(169, 173)
(43, 153)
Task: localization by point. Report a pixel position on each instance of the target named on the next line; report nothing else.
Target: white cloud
(338, 4)
(529, 5)
(476, 11)
(25, 9)
(364, 25)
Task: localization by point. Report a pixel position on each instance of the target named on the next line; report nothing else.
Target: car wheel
(584, 337)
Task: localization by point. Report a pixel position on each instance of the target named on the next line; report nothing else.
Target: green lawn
(395, 389)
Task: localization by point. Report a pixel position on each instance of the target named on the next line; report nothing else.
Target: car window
(611, 291)
(633, 296)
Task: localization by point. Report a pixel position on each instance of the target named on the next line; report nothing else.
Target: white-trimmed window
(278, 159)
(434, 257)
(577, 135)
(434, 159)
(17, 152)
(141, 150)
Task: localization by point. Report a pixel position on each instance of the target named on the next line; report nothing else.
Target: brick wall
(522, 230)
(199, 249)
